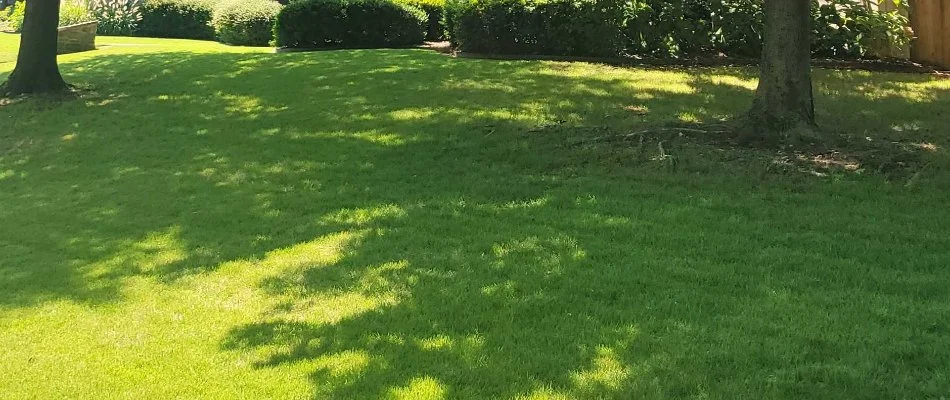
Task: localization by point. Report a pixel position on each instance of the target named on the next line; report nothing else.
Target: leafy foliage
(435, 16)
(246, 22)
(571, 27)
(189, 19)
(73, 12)
(843, 28)
(359, 23)
(117, 17)
(70, 13)
(659, 28)
(15, 18)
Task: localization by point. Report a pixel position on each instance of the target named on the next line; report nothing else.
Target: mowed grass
(216, 222)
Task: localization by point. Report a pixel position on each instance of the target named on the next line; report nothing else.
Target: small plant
(117, 17)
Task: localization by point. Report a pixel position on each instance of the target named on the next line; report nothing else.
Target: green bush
(556, 27)
(659, 28)
(70, 13)
(845, 29)
(15, 16)
(674, 28)
(245, 22)
(357, 23)
(581, 27)
(187, 19)
(435, 15)
(497, 27)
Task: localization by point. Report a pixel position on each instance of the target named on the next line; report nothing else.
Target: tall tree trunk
(36, 70)
(784, 108)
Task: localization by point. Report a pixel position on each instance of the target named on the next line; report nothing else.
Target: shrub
(70, 13)
(435, 15)
(116, 17)
(496, 26)
(15, 18)
(245, 22)
(737, 27)
(845, 29)
(188, 19)
(557, 27)
(451, 12)
(581, 27)
(358, 23)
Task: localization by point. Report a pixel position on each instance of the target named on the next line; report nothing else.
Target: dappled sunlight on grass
(606, 375)
(208, 221)
(425, 388)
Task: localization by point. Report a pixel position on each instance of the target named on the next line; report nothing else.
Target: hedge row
(356, 23)
(659, 28)
(302, 23)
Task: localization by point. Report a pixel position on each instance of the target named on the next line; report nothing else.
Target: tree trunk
(784, 108)
(36, 70)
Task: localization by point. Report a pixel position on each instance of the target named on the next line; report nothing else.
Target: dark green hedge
(561, 27)
(187, 19)
(356, 23)
(657, 28)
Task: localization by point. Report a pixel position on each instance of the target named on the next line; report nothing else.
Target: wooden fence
(931, 22)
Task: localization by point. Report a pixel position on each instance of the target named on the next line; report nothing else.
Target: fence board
(945, 35)
(931, 23)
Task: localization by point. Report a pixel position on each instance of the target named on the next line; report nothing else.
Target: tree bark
(784, 108)
(36, 70)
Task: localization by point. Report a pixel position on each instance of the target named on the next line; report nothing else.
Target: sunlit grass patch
(205, 221)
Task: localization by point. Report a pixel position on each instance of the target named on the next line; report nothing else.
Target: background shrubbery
(563, 27)
(658, 28)
(607, 28)
(245, 22)
(357, 23)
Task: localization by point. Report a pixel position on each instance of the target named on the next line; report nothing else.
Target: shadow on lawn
(493, 260)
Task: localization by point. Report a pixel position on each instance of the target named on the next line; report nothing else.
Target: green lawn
(219, 222)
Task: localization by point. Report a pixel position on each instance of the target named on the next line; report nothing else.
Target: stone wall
(76, 38)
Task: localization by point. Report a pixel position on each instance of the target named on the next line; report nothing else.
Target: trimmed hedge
(245, 22)
(186, 19)
(560, 27)
(657, 28)
(355, 24)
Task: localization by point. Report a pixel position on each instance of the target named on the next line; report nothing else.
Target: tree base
(16, 86)
(758, 128)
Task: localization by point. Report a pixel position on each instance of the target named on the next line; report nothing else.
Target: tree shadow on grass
(493, 259)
